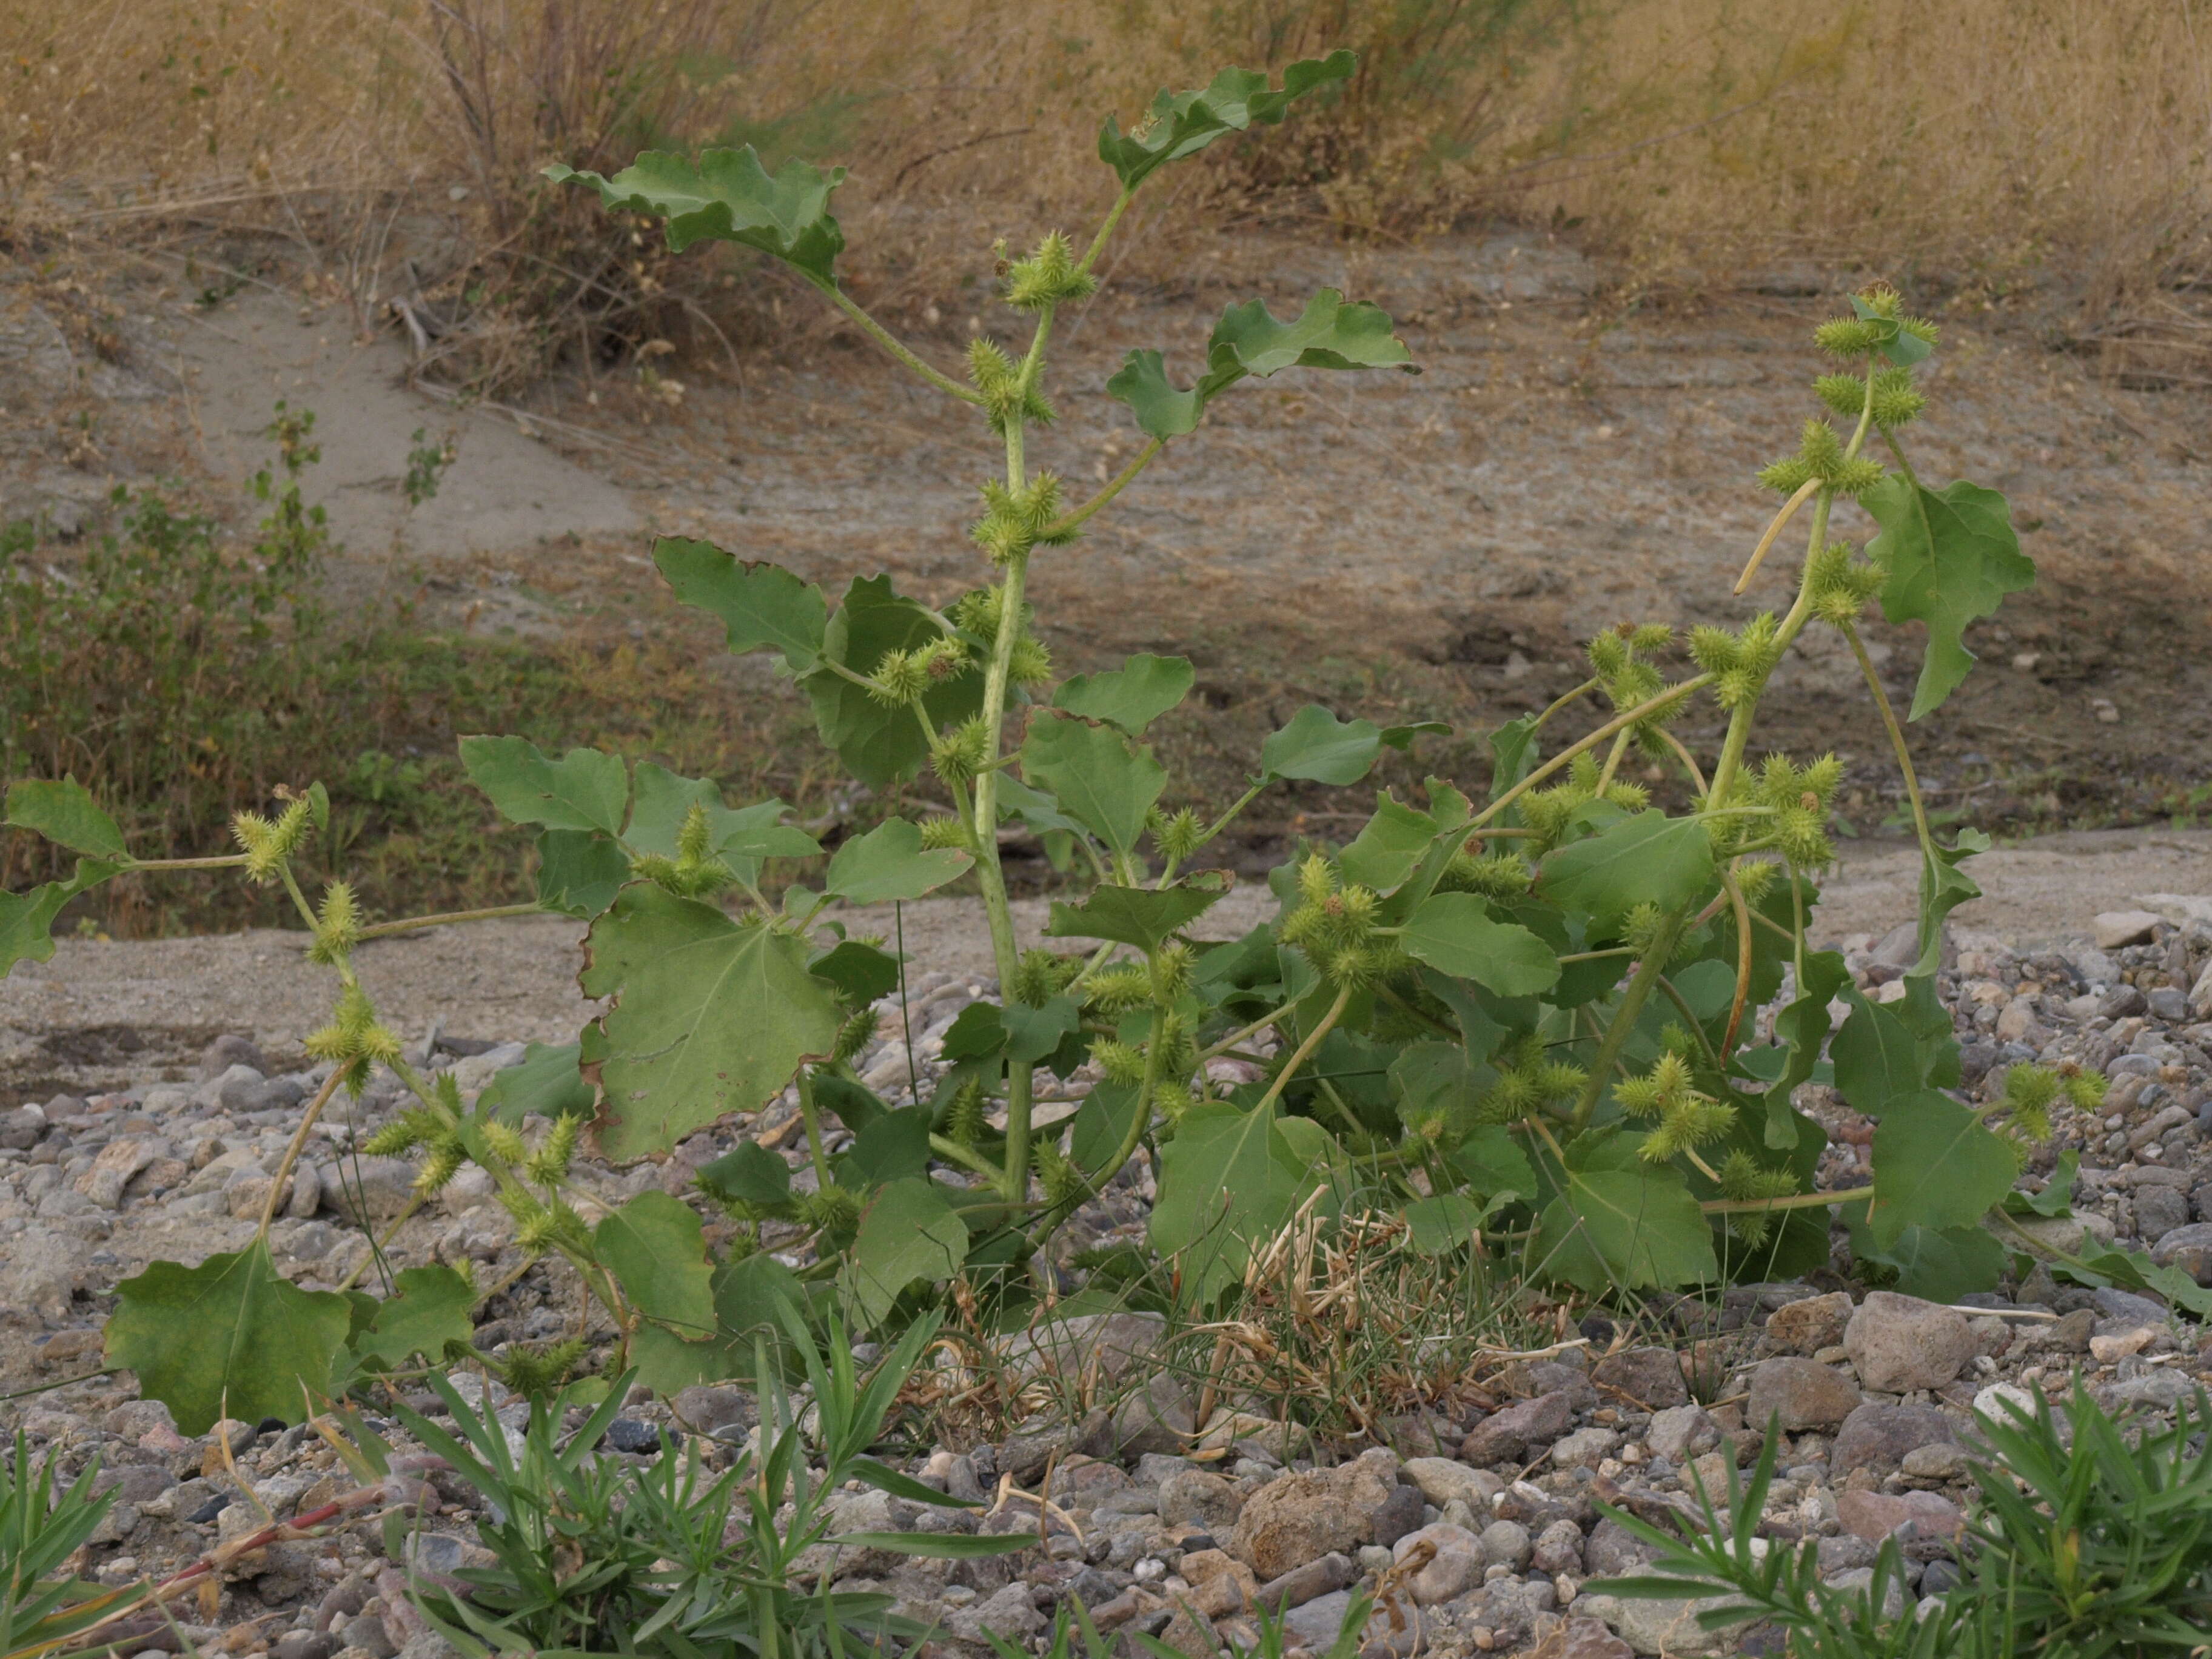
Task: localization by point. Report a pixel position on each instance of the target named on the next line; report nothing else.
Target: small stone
(1940, 1461)
(117, 1162)
(1397, 1515)
(229, 1050)
(370, 1190)
(2189, 1248)
(1811, 1325)
(1878, 1437)
(1580, 1639)
(1442, 1479)
(1584, 1448)
(704, 1409)
(1558, 1549)
(1899, 1343)
(627, 1434)
(1507, 1544)
(1682, 1433)
(1649, 1378)
(1802, 1394)
(2115, 930)
(1300, 1585)
(1874, 1516)
(1195, 1495)
(1455, 1563)
(1506, 1435)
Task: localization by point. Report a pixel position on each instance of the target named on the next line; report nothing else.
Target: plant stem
(221, 861)
(1612, 763)
(812, 1118)
(414, 1203)
(1789, 511)
(1896, 740)
(279, 1183)
(953, 1152)
(1689, 1015)
(1105, 229)
(1793, 1201)
(1559, 702)
(1649, 972)
(1303, 1052)
(1742, 960)
(884, 338)
(1619, 723)
(1061, 526)
(409, 924)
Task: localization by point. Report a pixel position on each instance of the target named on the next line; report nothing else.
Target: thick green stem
(1648, 970)
(1105, 229)
(1123, 480)
(1792, 1201)
(884, 338)
(1303, 1052)
(491, 913)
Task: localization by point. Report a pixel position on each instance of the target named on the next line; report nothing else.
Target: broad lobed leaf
(728, 195)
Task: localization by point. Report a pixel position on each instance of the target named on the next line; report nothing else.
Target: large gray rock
(40, 1268)
(1510, 1434)
(1443, 1478)
(1193, 1495)
(367, 1190)
(1899, 1343)
(1800, 1394)
(1157, 1418)
(1106, 1345)
(1877, 1438)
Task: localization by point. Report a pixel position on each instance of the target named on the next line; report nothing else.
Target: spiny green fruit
(1742, 1179)
(1121, 1062)
(337, 925)
(962, 753)
(267, 845)
(1063, 1184)
(940, 834)
(831, 1209)
(997, 378)
(964, 1122)
(1117, 989)
(1529, 1081)
(1172, 965)
(354, 1041)
(1039, 975)
(856, 1033)
(1839, 585)
(899, 679)
(548, 1165)
(534, 1373)
(1030, 662)
(1047, 276)
(1178, 834)
(1501, 875)
(1687, 1117)
(1897, 401)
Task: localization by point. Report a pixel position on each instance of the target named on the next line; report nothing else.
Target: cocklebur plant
(1521, 1012)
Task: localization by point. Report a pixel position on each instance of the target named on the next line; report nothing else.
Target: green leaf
(748, 1293)
(584, 789)
(1145, 917)
(977, 1032)
(709, 1017)
(1032, 1034)
(910, 1232)
(1228, 1178)
(1880, 1058)
(763, 607)
(1636, 1228)
(1938, 1264)
(2057, 1198)
(860, 972)
(580, 871)
(1646, 856)
(1492, 1162)
(1935, 1165)
(889, 863)
(660, 802)
(26, 919)
(1249, 340)
(881, 745)
(1132, 696)
(1105, 781)
(1803, 1027)
(893, 1146)
(937, 1546)
(544, 1081)
(728, 197)
(2131, 1270)
(1034, 808)
(1952, 557)
(1443, 1222)
(428, 1308)
(1943, 888)
(1319, 747)
(655, 1248)
(1453, 932)
(1401, 737)
(65, 814)
(1101, 1125)
(751, 1174)
(228, 1338)
(1182, 124)
(1513, 755)
(1389, 846)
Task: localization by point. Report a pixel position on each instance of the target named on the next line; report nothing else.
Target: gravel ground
(1478, 1522)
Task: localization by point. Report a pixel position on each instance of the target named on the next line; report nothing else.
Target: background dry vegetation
(1991, 143)
(2048, 159)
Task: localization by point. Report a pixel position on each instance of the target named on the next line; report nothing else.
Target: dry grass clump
(1987, 141)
